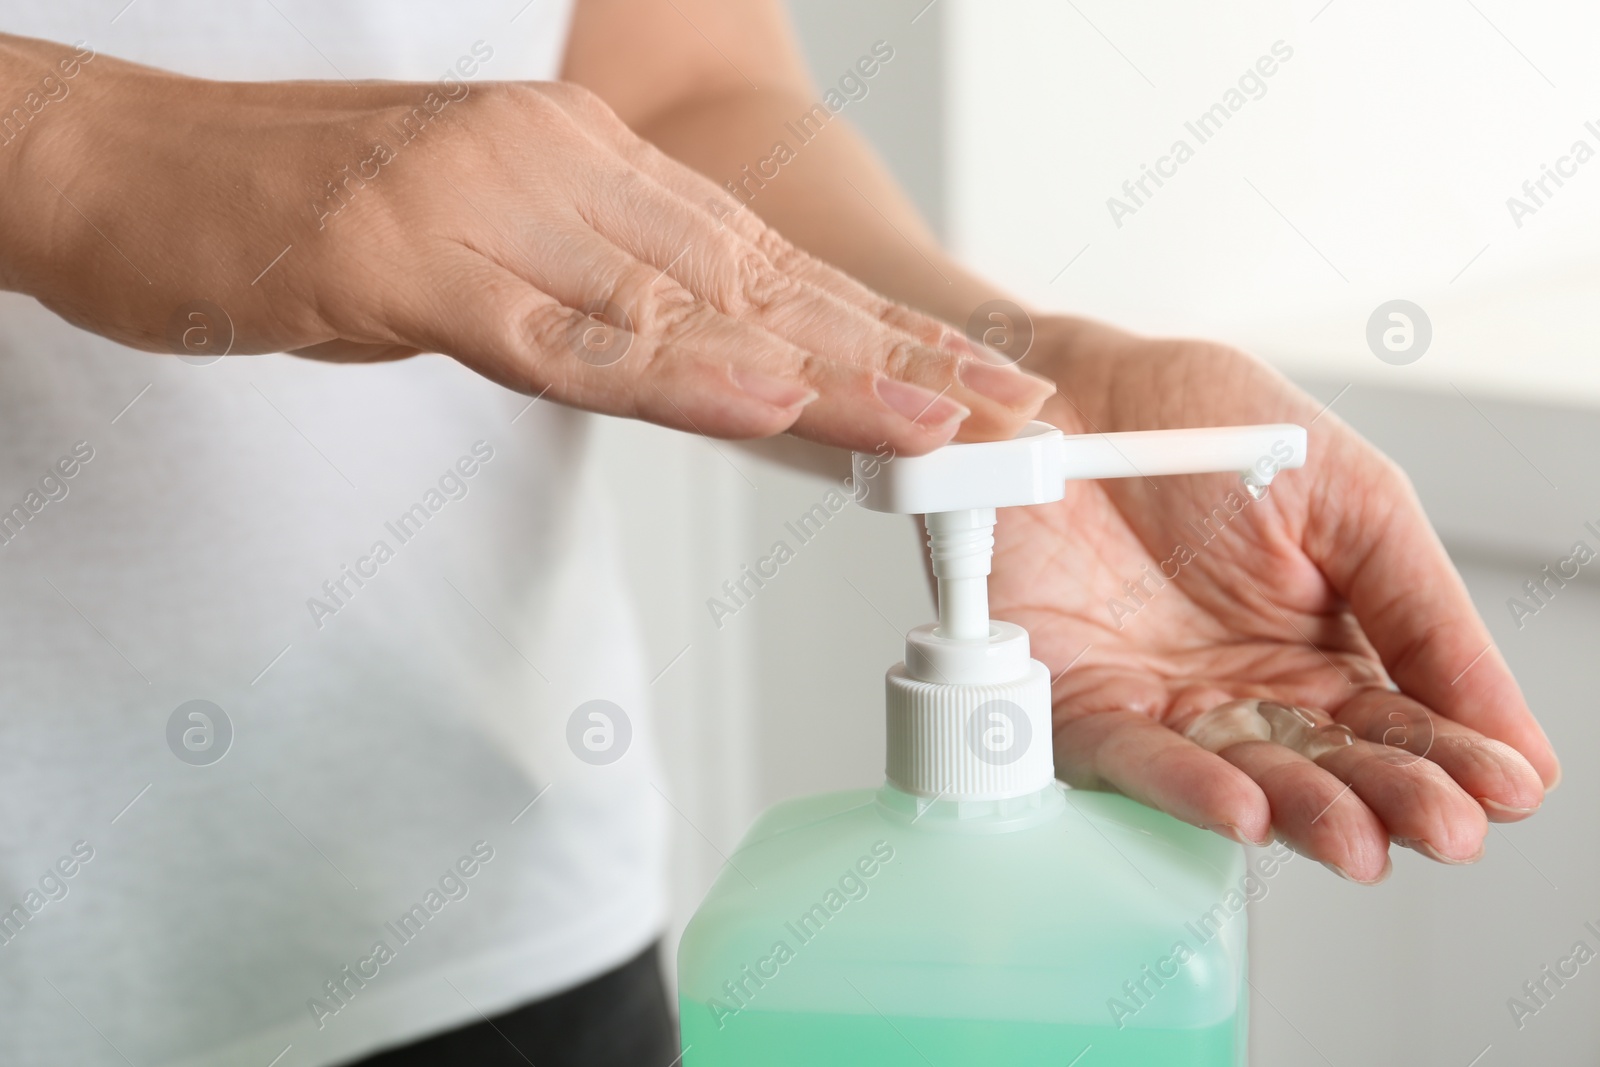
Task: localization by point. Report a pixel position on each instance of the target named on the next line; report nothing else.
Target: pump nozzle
(967, 665)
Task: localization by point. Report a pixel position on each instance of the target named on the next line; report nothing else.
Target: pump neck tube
(961, 544)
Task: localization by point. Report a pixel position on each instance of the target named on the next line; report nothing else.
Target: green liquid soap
(777, 1039)
(884, 930)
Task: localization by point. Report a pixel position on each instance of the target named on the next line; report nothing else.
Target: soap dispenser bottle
(973, 911)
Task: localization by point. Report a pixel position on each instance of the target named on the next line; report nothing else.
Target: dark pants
(620, 1019)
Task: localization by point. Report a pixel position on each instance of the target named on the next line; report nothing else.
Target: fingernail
(1418, 845)
(1233, 833)
(921, 406)
(1505, 809)
(1340, 871)
(1226, 829)
(1008, 385)
(1388, 868)
(769, 390)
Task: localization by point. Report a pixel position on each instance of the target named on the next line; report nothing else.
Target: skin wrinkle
(1402, 661)
(1115, 750)
(1332, 539)
(550, 326)
(493, 256)
(1459, 817)
(761, 284)
(1405, 662)
(1233, 798)
(1487, 771)
(1306, 805)
(1033, 566)
(1223, 599)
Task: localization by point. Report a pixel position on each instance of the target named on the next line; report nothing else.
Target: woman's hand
(519, 227)
(1170, 596)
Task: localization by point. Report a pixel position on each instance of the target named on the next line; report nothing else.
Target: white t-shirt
(210, 533)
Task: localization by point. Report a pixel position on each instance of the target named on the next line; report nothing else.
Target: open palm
(1154, 600)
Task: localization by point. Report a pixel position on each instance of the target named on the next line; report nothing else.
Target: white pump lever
(969, 677)
(958, 487)
(1034, 466)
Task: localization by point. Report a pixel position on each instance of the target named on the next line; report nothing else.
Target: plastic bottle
(974, 911)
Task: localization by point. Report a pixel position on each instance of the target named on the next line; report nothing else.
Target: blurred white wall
(1376, 166)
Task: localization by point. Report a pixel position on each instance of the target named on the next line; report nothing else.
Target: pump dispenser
(974, 911)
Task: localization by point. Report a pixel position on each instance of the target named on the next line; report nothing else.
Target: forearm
(36, 79)
(830, 195)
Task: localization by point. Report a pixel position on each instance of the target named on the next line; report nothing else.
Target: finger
(1496, 775)
(502, 327)
(1142, 759)
(864, 410)
(1375, 545)
(1314, 811)
(1416, 801)
(743, 281)
(679, 364)
(856, 406)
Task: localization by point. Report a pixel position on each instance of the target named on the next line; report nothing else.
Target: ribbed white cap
(984, 741)
(969, 709)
